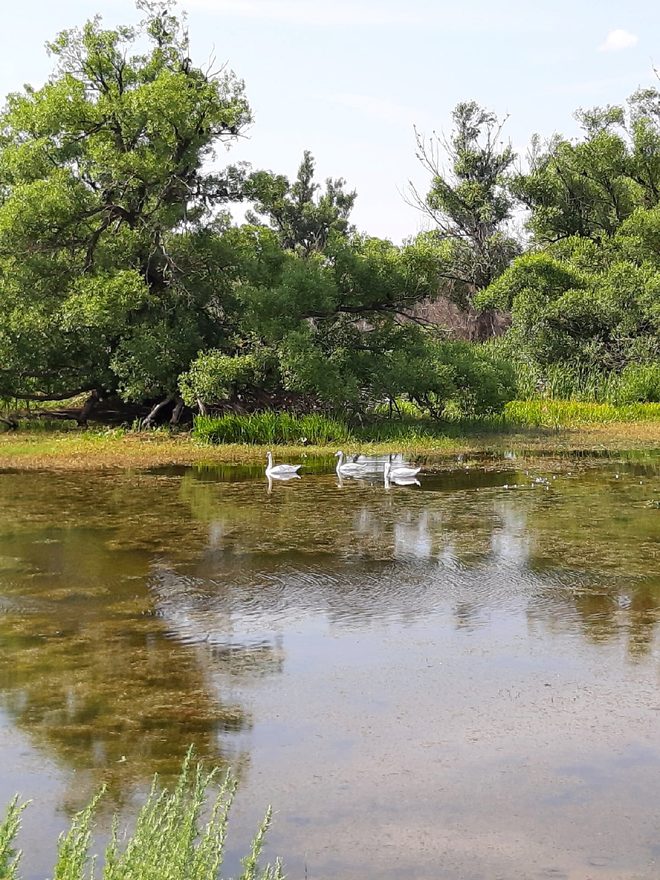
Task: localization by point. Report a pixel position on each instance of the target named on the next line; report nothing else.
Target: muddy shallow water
(456, 680)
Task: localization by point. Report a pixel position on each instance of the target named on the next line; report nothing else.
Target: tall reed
(271, 428)
(565, 413)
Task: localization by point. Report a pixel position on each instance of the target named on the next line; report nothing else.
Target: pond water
(454, 680)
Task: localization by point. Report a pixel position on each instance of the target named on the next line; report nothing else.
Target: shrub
(168, 842)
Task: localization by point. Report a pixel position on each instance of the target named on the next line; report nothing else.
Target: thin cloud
(629, 81)
(305, 12)
(377, 13)
(389, 111)
(617, 40)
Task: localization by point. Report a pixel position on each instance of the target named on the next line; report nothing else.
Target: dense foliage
(123, 275)
(104, 251)
(585, 300)
(470, 203)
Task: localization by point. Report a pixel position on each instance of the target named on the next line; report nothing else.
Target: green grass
(537, 413)
(271, 429)
(282, 429)
(636, 383)
(541, 425)
(170, 840)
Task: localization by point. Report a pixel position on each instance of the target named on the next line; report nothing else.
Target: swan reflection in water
(279, 478)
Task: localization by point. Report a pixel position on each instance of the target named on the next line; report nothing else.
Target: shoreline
(102, 450)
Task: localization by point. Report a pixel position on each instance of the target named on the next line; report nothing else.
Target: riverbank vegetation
(172, 839)
(527, 428)
(126, 284)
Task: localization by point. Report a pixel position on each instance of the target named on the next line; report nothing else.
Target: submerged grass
(169, 842)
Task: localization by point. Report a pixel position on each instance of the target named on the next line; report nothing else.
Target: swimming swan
(400, 472)
(280, 470)
(348, 469)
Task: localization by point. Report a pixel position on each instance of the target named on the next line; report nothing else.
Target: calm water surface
(457, 680)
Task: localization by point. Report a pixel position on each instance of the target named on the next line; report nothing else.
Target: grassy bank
(536, 427)
(170, 840)
(567, 413)
(284, 429)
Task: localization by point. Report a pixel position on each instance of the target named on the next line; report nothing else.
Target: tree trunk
(176, 414)
(149, 420)
(88, 408)
(12, 424)
(490, 323)
(203, 411)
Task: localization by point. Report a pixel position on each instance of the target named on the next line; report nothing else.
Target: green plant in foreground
(8, 830)
(169, 842)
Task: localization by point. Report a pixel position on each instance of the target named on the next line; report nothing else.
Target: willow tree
(106, 201)
(338, 329)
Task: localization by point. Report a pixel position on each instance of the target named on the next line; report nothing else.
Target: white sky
(348, 79)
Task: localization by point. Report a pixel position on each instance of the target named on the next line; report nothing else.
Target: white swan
(400, 472)
(280, 470)
(393, 479)
(348, 469)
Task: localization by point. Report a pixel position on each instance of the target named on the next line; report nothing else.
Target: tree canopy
(586, 297)
(105, 206)
(470, 202)
(123, 273)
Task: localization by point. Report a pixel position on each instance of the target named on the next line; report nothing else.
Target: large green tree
(583, 309)
(120, 273)
(468, 201)
(108, 272)
(589, 186)
(339, 327)
(585, 300)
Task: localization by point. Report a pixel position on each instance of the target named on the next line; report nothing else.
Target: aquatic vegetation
(169, 840)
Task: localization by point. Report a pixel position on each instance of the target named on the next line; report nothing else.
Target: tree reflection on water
(134, 607)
